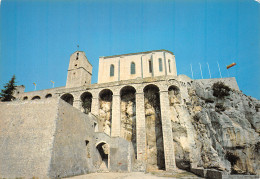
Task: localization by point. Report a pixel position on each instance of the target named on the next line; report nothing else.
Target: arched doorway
(105, 111)
(86, 101)
(128, 115)
(103, 150)
(68, 98)
(154, 134)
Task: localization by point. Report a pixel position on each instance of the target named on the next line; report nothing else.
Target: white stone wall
(122, 66)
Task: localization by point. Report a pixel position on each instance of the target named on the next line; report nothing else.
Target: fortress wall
(41, 93)
(26, 137)
(231, 82)
(71, 156)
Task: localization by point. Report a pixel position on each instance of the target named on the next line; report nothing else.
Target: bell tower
(80, 70)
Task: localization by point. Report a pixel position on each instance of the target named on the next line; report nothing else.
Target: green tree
(7, 93)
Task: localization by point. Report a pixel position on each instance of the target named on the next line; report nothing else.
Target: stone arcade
(125, 122)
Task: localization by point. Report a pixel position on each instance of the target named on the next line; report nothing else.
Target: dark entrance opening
(103, 150)
(68, 98)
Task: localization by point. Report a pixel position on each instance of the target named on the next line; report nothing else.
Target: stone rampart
(73, 150)
(26, 138)
(45, 138)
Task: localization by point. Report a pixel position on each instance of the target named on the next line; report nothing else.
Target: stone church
(137, 117)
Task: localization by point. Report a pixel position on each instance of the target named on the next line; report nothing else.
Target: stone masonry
(155, 69)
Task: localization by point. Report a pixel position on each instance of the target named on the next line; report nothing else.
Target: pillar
(77, 102)
(95, 104)
(140, 127)
(116, 114)
(167, 132)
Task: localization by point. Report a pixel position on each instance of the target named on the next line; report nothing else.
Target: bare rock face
(216, 132)
(105, 114)
(154, 137)
(128, 118)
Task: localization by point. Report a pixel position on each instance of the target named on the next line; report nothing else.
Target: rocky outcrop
(154, 135)
(105, 114)
(216, 132)
(128, 118)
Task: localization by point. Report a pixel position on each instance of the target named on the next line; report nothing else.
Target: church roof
(139, 53)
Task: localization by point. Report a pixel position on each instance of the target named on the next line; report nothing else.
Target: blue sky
(37, 37)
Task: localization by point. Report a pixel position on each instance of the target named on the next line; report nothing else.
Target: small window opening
(112, 68)
(76, 65)
(95, 127)
(48, 96)
(25, 98)
(150, 66)
(160, 64)
(36, 97)
(132, 68)
(86, 141)
(169, 63)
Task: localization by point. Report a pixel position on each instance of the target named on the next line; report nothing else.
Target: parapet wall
(231, 82)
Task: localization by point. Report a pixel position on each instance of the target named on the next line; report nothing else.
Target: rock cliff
(216, 131)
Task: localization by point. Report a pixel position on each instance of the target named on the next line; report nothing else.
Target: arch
(36, 97)
(175, 89)
(174, 95)
(151, 86)
(112, 70)
(68, 98)
(160, 64)
(105, 111)
(127, 89)
(103, 94)
(132, 68)
(25, 98)
(154, 133)
(103, 149)
(86, 101)
(48, 95)
(128, 115)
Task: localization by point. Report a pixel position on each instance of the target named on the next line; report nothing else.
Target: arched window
(132, 68)
(150, 66)
(160, 64)
(36, 97)
(112, 69)
(48, 96)
(169, 63)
